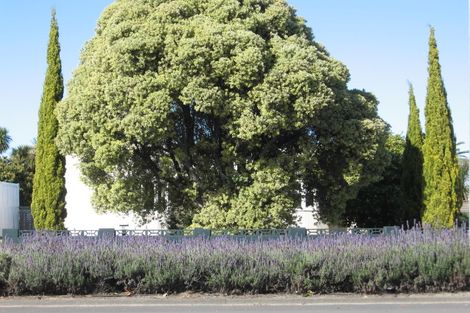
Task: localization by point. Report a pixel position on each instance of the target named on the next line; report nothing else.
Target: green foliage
(263, 204)
(412, 165)
(48, 200)
(462, 219)
(220, 108)
(19, 168)
(440, 168)
(5, 263)
(379, 204)
(23, 161)
(463, 181)
(462, 190)
(4, 140)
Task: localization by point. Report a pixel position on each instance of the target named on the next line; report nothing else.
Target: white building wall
(80, 213)
(9, 205)
(307, 216)
(82, 216)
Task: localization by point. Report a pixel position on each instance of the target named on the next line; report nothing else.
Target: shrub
(5, 262)
(412, 261)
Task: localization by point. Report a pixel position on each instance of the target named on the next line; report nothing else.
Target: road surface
(454, 303)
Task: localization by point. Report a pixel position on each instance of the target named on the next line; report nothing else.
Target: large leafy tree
(48, 200)
(380, 203)
(440, 168)
(216, 113)
(412, 165)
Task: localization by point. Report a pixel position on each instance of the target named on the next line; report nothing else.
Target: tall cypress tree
(440, 169)
(412, 165)
(48, 203)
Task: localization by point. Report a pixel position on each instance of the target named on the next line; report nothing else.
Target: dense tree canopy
(380, 203)
(225, 111)
(48, 200)
(19, 168)
(463, 181)
(463, 185)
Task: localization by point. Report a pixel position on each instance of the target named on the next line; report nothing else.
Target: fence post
(11, 234)
(391, 230)
(299, 232)
(106, 232)
(201, 232)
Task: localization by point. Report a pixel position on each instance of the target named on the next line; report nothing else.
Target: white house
(82, 215)
(307, 215)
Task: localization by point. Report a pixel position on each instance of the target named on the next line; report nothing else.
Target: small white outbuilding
(9, 205)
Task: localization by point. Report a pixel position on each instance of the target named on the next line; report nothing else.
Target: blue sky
(382, 42)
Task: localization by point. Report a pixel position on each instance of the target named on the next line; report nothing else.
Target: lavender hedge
(412, 261)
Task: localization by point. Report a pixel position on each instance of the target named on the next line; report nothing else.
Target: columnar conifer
(48, 203)
(412, 165)
(440, 169)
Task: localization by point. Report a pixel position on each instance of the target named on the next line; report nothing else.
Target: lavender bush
(412, 261)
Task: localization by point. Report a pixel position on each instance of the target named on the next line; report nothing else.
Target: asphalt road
(455, 303)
